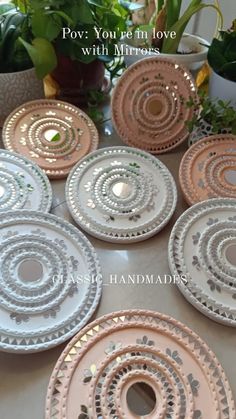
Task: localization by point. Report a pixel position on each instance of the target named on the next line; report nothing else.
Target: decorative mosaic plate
(121, 194)
(208, 169)
(54, 134)
(22, 184)
(50, 281)
(129, 363)
(203, 248)
(149, 105)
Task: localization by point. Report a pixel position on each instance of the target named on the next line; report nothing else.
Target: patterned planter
(204, 130)
(18, 88)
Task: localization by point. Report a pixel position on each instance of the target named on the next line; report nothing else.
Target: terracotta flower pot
(75, 78)
(18, 88)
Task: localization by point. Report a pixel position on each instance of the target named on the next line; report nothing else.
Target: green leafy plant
(222, 54)
(218, 113)
(48, 17)
(167, 18)
(13, 26)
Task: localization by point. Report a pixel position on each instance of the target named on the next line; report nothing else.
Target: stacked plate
(121, 194)
(133, 364)
(202, 249)
(53, 134)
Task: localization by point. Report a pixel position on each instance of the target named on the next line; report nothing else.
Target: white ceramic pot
(193, 61)
(18, 88)
(221, 88)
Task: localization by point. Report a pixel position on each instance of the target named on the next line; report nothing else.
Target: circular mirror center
(2, 191)
(231, 254)
(230, 177)
(52, 135)
(30, 270)
(141, 399)
(122, 190)
(155, 107)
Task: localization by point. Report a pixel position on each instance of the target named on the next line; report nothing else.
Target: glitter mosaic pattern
(98, 367)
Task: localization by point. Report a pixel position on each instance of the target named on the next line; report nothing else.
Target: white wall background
(206, 21)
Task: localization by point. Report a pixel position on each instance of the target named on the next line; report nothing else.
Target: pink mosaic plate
(136, 364)
(53, 134)
(149, 105)
(208, 169)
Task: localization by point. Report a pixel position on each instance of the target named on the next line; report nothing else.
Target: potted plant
(18, 81)
(222, 60)
(211, 116)
(82, 34)
(165, 34)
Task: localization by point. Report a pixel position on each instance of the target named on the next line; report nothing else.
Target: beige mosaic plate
(53, 134)
(149, 105)
(208, 169)
(136, 364)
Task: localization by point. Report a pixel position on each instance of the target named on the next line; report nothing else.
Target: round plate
(23, 184)
(121, 194)
(208, 169)
(54, 134)
(149, 105)
(202, 248)
(134, 360)
(50, 281)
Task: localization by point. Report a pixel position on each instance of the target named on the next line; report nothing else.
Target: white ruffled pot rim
(193, 61)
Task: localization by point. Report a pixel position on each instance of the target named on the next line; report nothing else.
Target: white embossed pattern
(44, 297)
(121, 194)
(203, 248)
(23, 185)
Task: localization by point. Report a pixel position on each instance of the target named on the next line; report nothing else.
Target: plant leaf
(170, 46)
(4, 8)
(173, 11)
(46, 25)
(43, 56)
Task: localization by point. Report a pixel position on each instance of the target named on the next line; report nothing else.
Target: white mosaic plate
(121, 194)
(202, 247)
(23, 184)
(44, 297)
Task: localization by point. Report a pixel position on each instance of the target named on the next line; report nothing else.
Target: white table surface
(24, 378)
